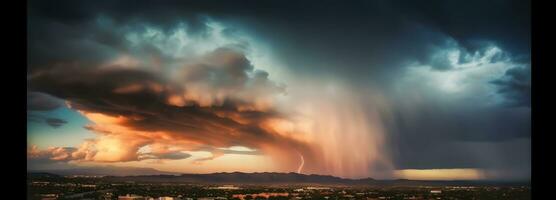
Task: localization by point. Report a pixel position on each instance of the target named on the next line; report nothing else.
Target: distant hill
(289, 178)
(121, 174)
(42, 175)
(243, 178)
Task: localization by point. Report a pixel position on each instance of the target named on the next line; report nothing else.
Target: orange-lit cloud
(210, 104)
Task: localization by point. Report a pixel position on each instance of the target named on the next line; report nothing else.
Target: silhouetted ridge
(245, 178)
(280, 178)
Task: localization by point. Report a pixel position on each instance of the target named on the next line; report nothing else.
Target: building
(49, 197)
(317, 188)
(88, 185)
(436, 191)
(263, 195)
(131, 197)
(226, 187)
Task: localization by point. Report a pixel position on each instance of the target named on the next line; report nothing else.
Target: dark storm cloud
(152, 102)
(361, 25)
(516, 86)
(368, 43)
(37, 101)
(507, 21)
(438, 57)
(93, 33)
(55, 122)
(39, 118)
(439, 138)
(68, 56)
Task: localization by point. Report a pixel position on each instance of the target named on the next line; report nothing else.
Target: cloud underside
(216, 101)
(38, 102)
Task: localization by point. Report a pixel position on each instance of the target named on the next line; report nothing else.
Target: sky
(382, 89)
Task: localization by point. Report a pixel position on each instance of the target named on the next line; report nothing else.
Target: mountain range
(279, 178)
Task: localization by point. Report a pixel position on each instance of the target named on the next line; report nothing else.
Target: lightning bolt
(302, 163)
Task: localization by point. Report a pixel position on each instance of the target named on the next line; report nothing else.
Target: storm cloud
(424, 85)
(217, 100)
